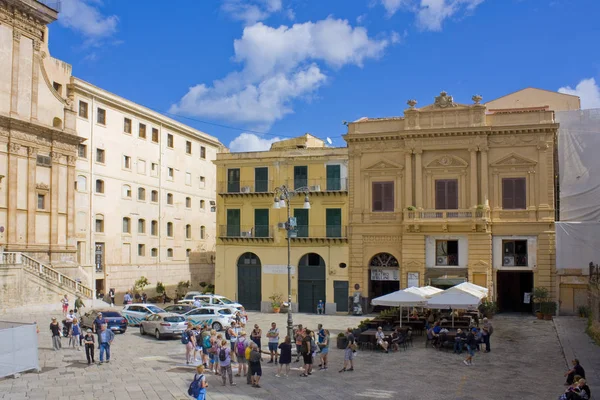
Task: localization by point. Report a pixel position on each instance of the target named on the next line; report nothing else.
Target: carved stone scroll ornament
(14, 147)
(31, 151)
(71, 160)
(55, 156)
(16, 35)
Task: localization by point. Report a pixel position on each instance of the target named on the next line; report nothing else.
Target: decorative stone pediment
(448, 161)
(413, 264)
(383, 165)
(481, 263)
(514, 160)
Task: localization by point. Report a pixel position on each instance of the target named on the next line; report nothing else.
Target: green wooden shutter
(300, 176)
(261, 222)
(261, 179)
(333, 177)
(333, 217)
(301, 221)
(233, 180)
(233, 223)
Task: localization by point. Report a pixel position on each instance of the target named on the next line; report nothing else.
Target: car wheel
(142, 332)
(217, 326)
(157, 335)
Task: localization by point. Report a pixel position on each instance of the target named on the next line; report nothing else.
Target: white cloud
(251, 142)
(252, 11)
(82, 16)
(361, 18)
(279, 65)
(587, 90)
(431, 14)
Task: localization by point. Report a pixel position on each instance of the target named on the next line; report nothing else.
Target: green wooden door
(302, 221)
(300, 176)
(340, 295)
(311, 282)
(261, 222)
(233, 223)
(249, 281)
(333, 177)
(333, 218)
(261, 179)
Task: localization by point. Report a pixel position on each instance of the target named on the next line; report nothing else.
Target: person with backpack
(75, 334)
(232, 334)
(198, 386)
(205, 335)
(240, 350)
(197, 343)
(225, 362)
(189, 340)
(215, 343)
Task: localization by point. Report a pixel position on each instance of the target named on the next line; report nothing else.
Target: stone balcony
(425, 216)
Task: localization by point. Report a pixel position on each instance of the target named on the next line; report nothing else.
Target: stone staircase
(24, 280)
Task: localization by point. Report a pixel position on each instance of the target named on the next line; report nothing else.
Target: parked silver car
(163, 324)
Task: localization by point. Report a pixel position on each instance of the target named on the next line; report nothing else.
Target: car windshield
(225, 300)
(155, 309)
(174, 319)
(189, 296)
(225, 311)
(110, 314)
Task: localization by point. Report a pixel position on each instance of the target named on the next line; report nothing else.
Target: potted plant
(342, 341)
(363, 325)
(540, 295)
(488, 308)
(210, 288)
(584, 311)
(411, 208)
(548, 309)
(203, 286)
(276, 300)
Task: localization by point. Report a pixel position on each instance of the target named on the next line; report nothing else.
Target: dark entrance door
(512, 286)
(311, 282)
(249, 281)
(340, 295)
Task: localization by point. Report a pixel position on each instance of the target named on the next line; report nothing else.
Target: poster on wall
(413, 279)
(380, 274)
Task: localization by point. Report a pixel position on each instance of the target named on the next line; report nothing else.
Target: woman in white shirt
(380, 337)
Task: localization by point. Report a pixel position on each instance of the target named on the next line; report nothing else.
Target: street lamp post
(283, 195)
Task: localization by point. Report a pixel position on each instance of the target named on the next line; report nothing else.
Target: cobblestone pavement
(526, 362)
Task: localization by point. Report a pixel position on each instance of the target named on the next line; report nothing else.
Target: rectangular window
(154, 252)
(514, 193)
(202, 152)
(261, 222)
(82, 151)
(154, 228)
(188, 202)
(141, 250)
(127, 125)
(58, 87)
(100, 155)
(142, 131)
(383, 196)
(41, 201)
(99, 225)
(446, 194)
(300, 177)
(83, 109)
(333, 218)
(446, 252)
(334, 181)
(188, 178)
(202, 181)
(154, 196)
(514, 253)
(101, 116)
(233, 223)
(261, 179)
(233, 180)
(154, 169)
(170, 173)
(126, 162)
(169, 140)
(141, 226)
(126, 225)
(188, 147)
(155, 135)
(43, 161)
(301, 216)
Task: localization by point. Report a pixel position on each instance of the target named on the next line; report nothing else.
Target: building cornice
(44, 135)
(87, 89)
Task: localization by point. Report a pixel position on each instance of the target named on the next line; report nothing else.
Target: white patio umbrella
(454, 298)
(400, 299)
(473, 289)
(426, 291)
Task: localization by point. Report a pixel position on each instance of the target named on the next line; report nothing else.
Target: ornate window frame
(446, 166)
(514, 165)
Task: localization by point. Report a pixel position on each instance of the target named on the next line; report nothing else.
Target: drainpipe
(92, 245)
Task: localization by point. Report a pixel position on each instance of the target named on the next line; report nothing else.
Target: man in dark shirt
(97, 324)
(576, 370)
(349, 352)
(55, 328)
(459, 341)
(306, 352)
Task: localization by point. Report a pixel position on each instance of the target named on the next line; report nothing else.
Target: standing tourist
(488, 329)
(225, 362)
(144, 298)
(189, 339)
(243, 317)
(256, 335)
(349, 352)
(105, 339)
(198, 386)
(285, 358)
(255, 366)
(55, 329)
(240, 349)
(298, 338)
(97, 324)
(79, 306)
(471, 345)
(89, 342)
(65, 304)
(324, 346)
(127, 298)
(307, 354)
(273, 336)
(75, 334)
(111, 295)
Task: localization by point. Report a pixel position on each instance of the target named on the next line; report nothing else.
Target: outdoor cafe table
(369, 336)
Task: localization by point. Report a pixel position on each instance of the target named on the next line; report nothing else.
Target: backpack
(195, 386)
(313, 346)
(206, 342)
(241, 347)
(222, 354)
(227, 335)
(185, 338)
(247, 353)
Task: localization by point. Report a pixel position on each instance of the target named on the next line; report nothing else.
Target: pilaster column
(54, 199)
(70, 200)
(31, 194)
(543, 172)
(484, 176)
(35, 79)
(408, 178)
(418, 179)
(13, 177)
(14, 89)
(531, 192)
(473, 176)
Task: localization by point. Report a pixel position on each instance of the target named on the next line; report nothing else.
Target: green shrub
(160, 288)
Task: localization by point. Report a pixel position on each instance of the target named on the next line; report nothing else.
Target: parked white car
(136, 313)
(163, 324)
(215, 317)
(191, 300)
(222, 301)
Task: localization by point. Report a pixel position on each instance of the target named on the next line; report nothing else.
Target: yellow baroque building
(451, 193)
(252, 251)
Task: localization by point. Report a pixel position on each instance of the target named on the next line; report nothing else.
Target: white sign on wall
(277, 269)
(413, 279)
(380, 274)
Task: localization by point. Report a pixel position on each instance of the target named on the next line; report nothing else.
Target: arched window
(383, 260)
(99, 186)
(154, 196)
(154, 228)
(154, 252)
(141, 193)
(188, 252)
(202, 232)
(141, 225)
(127, 191)
(169, 229)
(126, 225)
(188, 231)
(57, 123)
(170, 198)
(81, 183)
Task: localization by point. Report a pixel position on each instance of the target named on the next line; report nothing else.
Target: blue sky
(280, 68)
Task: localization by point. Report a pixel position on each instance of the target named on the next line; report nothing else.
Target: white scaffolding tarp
(18, 348)
(577, 244)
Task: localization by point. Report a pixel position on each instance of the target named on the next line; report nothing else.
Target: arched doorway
(311, 282)
(384, 275)
(249, 281)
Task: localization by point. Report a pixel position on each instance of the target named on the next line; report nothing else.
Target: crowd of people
(577, 388)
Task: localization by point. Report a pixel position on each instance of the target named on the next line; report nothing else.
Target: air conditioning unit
(246, 234)
(281, 225)
(508, 261)
(441, 260)
(246, 189)
(315, 188)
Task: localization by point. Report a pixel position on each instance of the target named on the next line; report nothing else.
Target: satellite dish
(329, 141)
